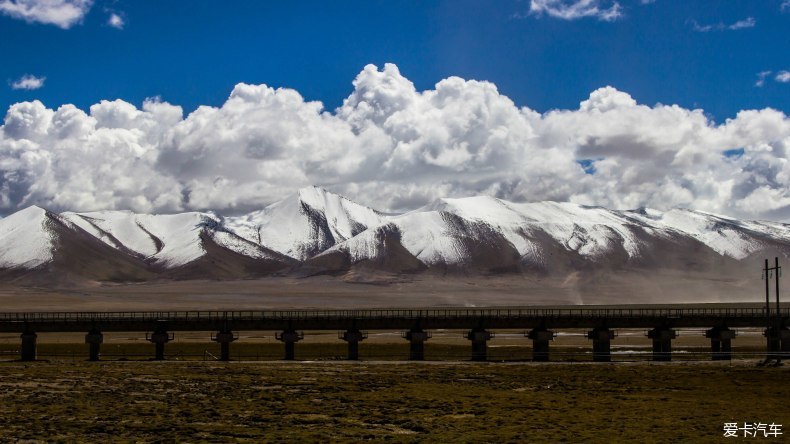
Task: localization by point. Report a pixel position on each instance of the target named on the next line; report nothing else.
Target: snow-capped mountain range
(314, 231)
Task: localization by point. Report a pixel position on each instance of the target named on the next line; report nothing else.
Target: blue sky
(617, 103)
(195, 54)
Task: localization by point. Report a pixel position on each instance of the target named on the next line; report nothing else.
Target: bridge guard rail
(383, 314)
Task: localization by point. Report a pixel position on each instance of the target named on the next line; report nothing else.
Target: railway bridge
(540, 325)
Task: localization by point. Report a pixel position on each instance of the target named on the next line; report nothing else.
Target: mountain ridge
(314, 231)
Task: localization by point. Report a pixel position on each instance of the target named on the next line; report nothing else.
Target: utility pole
(778, 274)
(778, 271)
(766, 276)
(774, 331)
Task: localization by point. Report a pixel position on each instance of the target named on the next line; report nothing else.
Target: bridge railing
(379, 314)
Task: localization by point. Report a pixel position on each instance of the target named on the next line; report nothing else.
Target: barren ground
(385, 401)
(384, 290)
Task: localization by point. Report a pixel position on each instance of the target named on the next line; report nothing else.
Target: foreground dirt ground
(73, 401)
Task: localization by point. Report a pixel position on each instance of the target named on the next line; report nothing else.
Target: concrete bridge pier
(479, 337)
(720, 342)
(662, 342)
(602, 343)
(94, 339)
(784, 337)
(416, 338)
(289, 338)
(778, 342)
(540, 343)
(353, 337)
(28, 350)
(774, 345)
(159, 338)
(224, 337)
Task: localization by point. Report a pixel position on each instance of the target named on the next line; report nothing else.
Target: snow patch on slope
(116, 229)
(425, 234)
(169, 240)
(180, 236)
(429, 237)
(26, 240)
(589, 231)
(240, 245)
(726, 236)
(365, 245)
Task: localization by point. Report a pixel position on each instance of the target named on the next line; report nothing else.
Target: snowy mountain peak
(334, 205)
(30, 213)
(316, 197)
(306, 223)
(469, 205)
(646, 212)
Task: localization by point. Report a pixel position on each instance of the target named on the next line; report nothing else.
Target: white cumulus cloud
(783, 76)
(28, 82)
(61, 13)
(393, 147)
(116, 21)
(576, 9)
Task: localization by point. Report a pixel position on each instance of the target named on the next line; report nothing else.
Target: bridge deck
(397, 318)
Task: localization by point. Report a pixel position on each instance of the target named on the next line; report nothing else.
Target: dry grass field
(190, 401)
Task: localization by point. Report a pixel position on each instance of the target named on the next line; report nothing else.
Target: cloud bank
(394, 148)
(61, 13)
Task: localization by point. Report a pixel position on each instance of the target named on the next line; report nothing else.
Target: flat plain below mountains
(417, 291)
